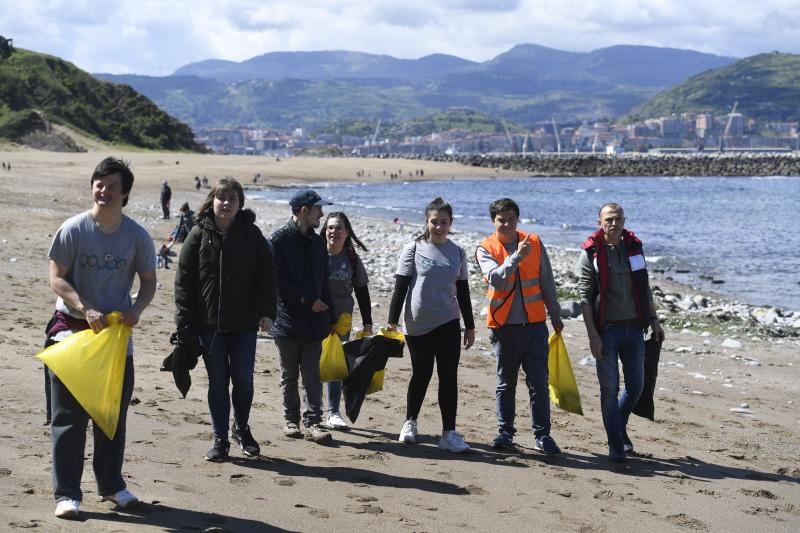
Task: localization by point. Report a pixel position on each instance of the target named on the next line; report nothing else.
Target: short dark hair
(503, 204)
(112, 165)
(611, 205)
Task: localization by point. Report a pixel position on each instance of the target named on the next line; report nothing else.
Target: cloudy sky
(156, 37)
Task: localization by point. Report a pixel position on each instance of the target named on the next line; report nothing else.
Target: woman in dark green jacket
(225, 289)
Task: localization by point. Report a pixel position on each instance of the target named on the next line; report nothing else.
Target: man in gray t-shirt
(93, 260)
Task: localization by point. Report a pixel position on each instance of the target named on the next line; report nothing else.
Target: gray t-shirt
(434, 269)
(342, 279)
(102, 266)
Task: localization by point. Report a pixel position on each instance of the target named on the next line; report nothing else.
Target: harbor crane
(555, 132)
(373, 142)
(727, 131)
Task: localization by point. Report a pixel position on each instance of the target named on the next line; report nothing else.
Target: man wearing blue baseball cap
(305, 313)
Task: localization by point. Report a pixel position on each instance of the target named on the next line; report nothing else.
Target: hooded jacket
(225, 283)
(302, 266)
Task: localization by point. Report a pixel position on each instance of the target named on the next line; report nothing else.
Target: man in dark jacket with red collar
(617, 308)
(305, 313)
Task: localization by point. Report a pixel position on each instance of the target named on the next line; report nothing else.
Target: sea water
(740, 231)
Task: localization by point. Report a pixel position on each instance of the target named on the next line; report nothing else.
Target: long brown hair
(351, 239)
(436, 205)
(220, 190)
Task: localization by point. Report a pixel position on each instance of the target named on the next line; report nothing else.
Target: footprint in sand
(25, 525)
(319, 513)
(195, 419)
(358, 498)
(760, 493)
(684, 520)
(474, 490)
(240, 479)
(285, 481)
(607, 495)
(362, 509)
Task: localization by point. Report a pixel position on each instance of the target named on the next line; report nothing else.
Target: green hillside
(64, 94)
(767, 87)
(463, 119)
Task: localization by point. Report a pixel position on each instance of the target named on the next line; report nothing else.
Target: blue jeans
(625, 344)
(230, 358)
(525, 346)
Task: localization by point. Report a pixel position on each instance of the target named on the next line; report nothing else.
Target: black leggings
(443, 345)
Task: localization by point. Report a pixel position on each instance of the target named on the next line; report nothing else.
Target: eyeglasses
(335, 228)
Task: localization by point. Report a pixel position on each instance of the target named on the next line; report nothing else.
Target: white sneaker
(67, 509)
(335, 421)
(409, 432)
(453, 442)
(123, 499)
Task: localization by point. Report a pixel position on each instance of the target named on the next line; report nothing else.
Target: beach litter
(589, 360)
(731, 343)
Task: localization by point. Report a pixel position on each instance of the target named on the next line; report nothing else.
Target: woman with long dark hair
(346, 275)
(431, 280)
(225, 289)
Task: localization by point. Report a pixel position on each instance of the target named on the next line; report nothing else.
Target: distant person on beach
(617, 307)
(162, 258)
(305, 313)
(225, 289)
(93, 260)
(166, 196)
(522, 292)
(431, 282)
(346, 275)
(398, 224)
(197, 183)
(184, 226)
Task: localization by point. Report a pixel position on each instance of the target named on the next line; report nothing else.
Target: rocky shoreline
(630, 164)
(679, 306)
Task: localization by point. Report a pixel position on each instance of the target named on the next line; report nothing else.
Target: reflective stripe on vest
(501, 298)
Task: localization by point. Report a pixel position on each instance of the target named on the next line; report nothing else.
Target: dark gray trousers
(300, 359)
(68, 432)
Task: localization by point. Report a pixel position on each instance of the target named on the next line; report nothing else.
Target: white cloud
(156, 37)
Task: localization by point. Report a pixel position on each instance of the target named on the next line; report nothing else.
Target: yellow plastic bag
(332, 365)
(376, 384)
(563, 389)
(92, 367)
(343, 324)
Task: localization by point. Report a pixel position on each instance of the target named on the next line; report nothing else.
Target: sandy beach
(700, 466)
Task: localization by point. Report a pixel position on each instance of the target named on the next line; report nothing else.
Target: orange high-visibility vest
(500, 298)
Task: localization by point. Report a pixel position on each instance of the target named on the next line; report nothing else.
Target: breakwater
(633, 164)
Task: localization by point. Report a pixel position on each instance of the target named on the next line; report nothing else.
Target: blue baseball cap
(306, 197)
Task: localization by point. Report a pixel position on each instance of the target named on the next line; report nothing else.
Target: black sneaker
(503, 441)
(245, 439)
(615, 455)
(546, 445)
(219, 451)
